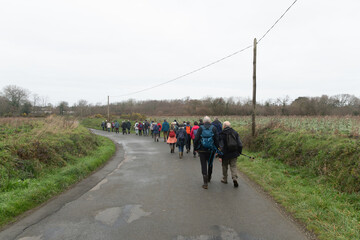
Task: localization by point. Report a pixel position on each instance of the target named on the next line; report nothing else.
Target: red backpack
(172, 134)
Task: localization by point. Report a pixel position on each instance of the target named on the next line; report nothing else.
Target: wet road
(147, 193)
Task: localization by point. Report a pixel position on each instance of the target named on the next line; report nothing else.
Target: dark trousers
(188, 142)
(205, 158)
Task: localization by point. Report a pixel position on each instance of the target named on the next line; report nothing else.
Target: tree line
(16, 101)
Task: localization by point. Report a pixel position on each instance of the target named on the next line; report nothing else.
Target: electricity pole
(108, 109)
(254, 89)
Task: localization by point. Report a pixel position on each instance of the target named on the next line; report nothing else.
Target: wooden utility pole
(108, 112)
(254, 89)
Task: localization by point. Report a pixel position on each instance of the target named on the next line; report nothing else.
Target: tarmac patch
(136, 212)
(109, 216)
(119, 215)
(32, 238)
(224, 233)
(97, 187)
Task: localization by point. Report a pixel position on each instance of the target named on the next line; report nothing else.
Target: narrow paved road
(147, 193)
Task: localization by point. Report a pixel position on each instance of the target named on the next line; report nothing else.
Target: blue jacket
(156, 129)
(165, 127)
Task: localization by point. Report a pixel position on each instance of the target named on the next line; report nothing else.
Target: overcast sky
(72, 50)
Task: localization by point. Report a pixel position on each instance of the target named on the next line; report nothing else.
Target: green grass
(327, 212)
(31, 192)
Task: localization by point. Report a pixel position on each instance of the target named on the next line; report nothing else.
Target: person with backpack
(156, 132)
(117, 125)
(172, 139)
(188, 137)
(231, 147)
(146, 128)
(181, 139)
(128, 126)
(193, 134)
(207, 144)
(108, 126)
(103, 125)
(217, 124)
(152, 124)
(165, 129)
(140, 128)
(124, 127)
(136, 128)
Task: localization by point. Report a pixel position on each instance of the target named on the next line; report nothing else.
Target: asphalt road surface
(145, 192)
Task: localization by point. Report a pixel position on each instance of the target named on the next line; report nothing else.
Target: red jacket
(192, 135)
(159, 124)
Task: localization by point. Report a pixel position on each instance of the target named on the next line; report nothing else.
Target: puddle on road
(224, 233)
(32, 238)
(128, 214)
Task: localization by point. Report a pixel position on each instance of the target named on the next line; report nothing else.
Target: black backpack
(232, 144)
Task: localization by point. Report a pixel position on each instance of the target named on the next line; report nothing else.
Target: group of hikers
(114, 126)
(209, 140)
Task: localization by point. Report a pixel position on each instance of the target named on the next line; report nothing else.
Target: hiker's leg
(233, 168)
(224, 165)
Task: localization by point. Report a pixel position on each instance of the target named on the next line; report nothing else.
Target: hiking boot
(205, 179)
(235, 183)
(224, 181)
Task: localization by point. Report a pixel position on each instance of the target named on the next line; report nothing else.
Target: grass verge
(35, 191)
(329, 213)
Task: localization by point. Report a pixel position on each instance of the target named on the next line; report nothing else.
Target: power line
(277, 20)
(212, 63)
(187, 74)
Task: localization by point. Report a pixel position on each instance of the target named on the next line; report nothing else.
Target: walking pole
(248, 156)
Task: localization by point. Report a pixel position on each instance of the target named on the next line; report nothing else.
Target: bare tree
(16, 96)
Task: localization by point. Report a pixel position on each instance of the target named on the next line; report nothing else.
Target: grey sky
(71, 50)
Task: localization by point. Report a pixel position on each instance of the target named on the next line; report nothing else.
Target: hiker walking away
(206, 144)
(160, 126)
(193, 134)
(218, 125)
(128, 123)
(181, 139)
(112, 126)
(108, 126)
(140, 127)
(117, 125)
(172, 139)
(231, 147)
(165, 129)
(156, 132)
(103, 125)
(201, 122)
(136, 128)
(188, 136)
(146, 128)
(124, 127)
(152, 129)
